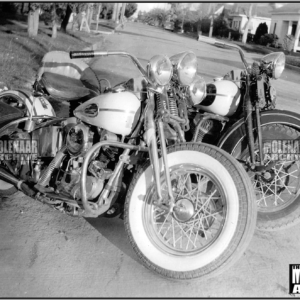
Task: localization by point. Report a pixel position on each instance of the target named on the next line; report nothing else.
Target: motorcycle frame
(105, 198)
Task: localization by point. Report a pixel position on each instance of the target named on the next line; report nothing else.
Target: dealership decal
(283, 150)
(23, 150)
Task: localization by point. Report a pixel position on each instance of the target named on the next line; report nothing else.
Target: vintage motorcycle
(188, 209)
(238, 115)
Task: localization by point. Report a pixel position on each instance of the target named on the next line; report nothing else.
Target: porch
(286, 25)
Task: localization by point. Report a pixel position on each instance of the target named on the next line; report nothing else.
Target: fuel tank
(223, 98)
(115, 112)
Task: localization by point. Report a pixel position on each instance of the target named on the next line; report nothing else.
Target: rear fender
(35, 106)
(237, 132)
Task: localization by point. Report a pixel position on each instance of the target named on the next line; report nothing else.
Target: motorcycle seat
(9, 113)
(63, 88)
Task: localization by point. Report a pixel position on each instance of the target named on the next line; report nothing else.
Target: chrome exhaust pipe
(20, 184)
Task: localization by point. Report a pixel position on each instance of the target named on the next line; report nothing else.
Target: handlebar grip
(82, 54)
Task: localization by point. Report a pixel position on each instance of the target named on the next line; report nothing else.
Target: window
(236, 24)
(294, 27)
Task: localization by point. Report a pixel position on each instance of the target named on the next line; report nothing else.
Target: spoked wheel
(278, 189)
(211, 223)
(200, 216)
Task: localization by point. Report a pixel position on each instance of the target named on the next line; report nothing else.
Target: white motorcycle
(188, 209)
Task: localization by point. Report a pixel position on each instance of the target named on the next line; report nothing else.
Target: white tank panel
(224, 101)
(116, 112)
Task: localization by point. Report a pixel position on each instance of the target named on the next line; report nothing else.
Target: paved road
(46, 254)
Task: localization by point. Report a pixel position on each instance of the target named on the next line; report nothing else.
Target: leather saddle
(9, 113)
(63, 88)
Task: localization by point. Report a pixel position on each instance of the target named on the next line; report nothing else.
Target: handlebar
(233, 46)
(92, 53)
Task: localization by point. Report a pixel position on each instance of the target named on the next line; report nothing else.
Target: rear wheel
(212, 224)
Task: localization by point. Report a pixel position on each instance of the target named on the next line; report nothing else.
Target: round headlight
(275, 63)
(160, 69)
(197, 91)
(184, 67)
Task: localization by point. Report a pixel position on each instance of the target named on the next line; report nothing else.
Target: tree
(212, 10)
(53, 13)
(107, 10)
(260, 31)
(33, 19)
(156, 16)
(65, 21)
(250, 17)
(130, 9)
(53, 20)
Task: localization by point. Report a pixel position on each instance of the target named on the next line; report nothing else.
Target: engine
(79, 140)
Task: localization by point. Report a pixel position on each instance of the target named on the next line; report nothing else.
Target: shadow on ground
(114, 231)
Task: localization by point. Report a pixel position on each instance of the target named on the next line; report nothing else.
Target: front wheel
(216, 221)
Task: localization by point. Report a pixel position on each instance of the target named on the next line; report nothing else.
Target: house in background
(286, 21)
(236, 15)
(239, 22)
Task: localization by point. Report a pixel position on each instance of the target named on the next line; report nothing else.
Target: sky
(148, 6)
(142, 6)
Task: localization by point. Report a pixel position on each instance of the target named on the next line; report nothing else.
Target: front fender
(237, 131)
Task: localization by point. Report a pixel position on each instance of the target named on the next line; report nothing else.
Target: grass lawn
(20, 56)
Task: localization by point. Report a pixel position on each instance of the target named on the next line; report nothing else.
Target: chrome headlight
(197, 91)
(160, 70)
(79, 139)
(274, 63)
(184, 67)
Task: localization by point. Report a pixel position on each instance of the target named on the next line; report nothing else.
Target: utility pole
(115, 8)
(211, 8)
(123, 14)
(118, 13)
(98, 15)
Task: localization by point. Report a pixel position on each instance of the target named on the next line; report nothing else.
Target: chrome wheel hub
(183, 210)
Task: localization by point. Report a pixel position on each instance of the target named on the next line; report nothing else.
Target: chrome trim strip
(117, 110)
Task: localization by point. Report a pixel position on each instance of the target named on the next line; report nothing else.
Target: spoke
(164, 222)
(183, 231)
(160, 214)
(191, 229)
(206, 222)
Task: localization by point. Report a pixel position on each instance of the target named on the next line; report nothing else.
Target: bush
(235, 35)
(190, 26)
(261, 30)
(268, 39)
(224, 32)
(288, 43)
(250, 38)
(8, 7)
(178, 24)
(205, 25)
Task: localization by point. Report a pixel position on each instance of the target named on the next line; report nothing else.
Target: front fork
(151, 140)
(249, 126)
